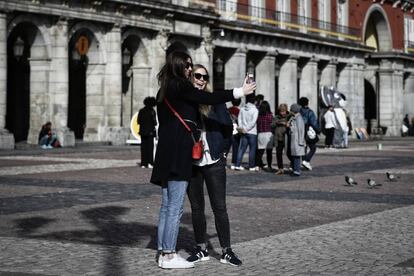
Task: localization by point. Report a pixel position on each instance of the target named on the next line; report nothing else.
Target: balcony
(233, 11)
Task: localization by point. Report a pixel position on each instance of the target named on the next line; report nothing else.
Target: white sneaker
(232, 167)
(150, 166)
(49, 147)
(143, 167)
(255, 169)
(307, 165)
(44, 147)
(160, 259)
(175, 262)
(239, 168)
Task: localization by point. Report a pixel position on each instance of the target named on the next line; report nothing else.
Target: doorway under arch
(19, 45)
(370, 103)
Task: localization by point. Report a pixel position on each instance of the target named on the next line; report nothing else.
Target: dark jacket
(219, 128)
(309, 118)
(147, 121)
(173, 159)
(43, 132)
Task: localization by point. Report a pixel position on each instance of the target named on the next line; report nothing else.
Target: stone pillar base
(6, 140)
(66, 137)
(116, 135)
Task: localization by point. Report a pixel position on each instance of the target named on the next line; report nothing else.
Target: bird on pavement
(372, 183)
(391, 177)
(350, 181)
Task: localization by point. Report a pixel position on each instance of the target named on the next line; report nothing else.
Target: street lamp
(126, 57)
(220, 31)
(219, 65)
(18, 48)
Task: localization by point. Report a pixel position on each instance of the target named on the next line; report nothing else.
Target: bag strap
(179, 118)
(177, 115)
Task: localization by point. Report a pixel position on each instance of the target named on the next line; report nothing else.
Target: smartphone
(250, 77)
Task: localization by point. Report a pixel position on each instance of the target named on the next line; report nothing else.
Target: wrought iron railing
(234, 11)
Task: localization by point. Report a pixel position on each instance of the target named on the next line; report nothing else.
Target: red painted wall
(334, 9)
(315, 9)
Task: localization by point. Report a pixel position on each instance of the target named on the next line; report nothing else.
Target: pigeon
(350, 181)
(391, 177)
(372, 183)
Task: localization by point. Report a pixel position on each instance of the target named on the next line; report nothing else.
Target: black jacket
(219, 128)
(173, 160)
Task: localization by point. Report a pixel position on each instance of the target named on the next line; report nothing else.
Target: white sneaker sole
(226, 262)
(203, 259)
(174, 266)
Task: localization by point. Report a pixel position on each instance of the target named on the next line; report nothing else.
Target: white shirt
(330, 119)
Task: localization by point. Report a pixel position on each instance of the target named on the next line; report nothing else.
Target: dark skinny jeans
(215, 178)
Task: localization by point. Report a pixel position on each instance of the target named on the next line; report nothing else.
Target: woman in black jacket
(217, 129)
(173, 159)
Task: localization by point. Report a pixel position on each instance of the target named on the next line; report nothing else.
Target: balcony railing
(233, 11)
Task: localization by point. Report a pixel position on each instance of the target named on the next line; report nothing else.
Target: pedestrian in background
(178, 104)
(147, 121)
(296, 139)
(281, 126)
(216, 132)
(265, 139)
(247, 127)
(330, 125)
(47, 139)
(234, 111)
(310, 120)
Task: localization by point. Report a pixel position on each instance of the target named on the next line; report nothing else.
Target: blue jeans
(170, 214)
(251, 141)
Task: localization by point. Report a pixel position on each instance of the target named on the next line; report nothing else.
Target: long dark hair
(174, 67)
(264, 108)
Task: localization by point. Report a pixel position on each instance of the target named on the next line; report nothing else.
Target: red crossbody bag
(197, 152)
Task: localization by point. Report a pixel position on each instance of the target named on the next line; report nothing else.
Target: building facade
(86, 66)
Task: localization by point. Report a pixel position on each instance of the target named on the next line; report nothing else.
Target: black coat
(173, 160)
(147, 121)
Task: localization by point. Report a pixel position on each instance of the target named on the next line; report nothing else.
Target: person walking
(147, 120)
(296, 138)
(247, 122)
(264, 136)
(281, 126)
(310, 120)
(330, 126)
(178, 102)
(216, 133)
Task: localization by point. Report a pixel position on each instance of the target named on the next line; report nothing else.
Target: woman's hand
(248, 88)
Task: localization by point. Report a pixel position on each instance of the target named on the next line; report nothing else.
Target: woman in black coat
(173, 159)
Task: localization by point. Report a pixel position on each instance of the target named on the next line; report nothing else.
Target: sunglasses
(188, 65)
(198, 76)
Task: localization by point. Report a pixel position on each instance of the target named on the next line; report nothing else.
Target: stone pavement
(91, 211)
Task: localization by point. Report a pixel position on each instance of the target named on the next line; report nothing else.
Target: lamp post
(218, 66)
(18, 48)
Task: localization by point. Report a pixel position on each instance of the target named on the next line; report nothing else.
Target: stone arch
(136, 74)
(176, 45)
(28, 99)
(370, 104)
(377, 31)
(87, 102)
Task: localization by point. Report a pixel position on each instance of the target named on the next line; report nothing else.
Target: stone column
(140, 86)
(328, 74)
(59, 83)
(265, 78)
(40, 111)
(309, 83)
(235, 69)
(157, 60)
(351, 84)
(6, 138)
(95, 103)
(390, 97)
(408, 96)
(288, 81)
(116, 134)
